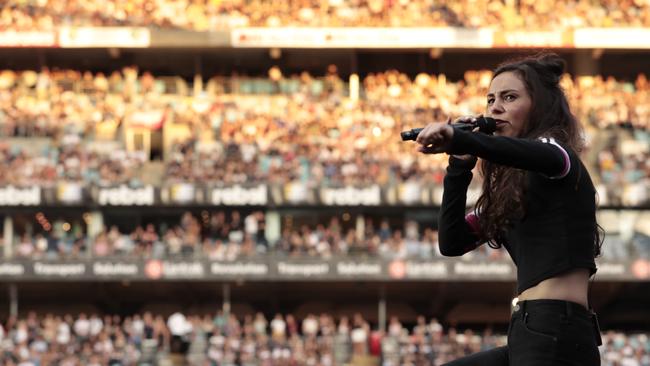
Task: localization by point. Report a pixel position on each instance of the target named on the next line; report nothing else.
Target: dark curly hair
(502, 200)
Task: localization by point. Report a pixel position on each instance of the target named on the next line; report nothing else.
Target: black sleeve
(543, 156)
(455, 236)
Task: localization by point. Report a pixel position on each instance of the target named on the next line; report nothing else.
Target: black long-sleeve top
(557, 232)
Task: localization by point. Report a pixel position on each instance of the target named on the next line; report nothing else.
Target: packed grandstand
(222, 182)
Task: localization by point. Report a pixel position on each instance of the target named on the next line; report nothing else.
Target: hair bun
(553, 63)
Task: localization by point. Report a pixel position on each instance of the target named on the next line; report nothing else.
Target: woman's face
(509, 103)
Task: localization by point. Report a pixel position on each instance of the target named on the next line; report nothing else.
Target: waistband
(568, 308)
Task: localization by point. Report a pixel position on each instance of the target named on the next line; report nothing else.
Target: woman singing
(537, 201)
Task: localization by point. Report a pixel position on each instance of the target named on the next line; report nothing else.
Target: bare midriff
(569, 286)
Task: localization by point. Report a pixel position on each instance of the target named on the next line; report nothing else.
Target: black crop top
(558, 229)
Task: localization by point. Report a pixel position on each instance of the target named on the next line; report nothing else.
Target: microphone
(485, 125)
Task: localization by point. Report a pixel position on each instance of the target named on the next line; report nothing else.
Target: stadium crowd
(281, 129)
(284, 129)
(221, 236)
(210, 15)
(225, 339)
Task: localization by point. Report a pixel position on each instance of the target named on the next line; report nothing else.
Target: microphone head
(410, 134)
(486, 125)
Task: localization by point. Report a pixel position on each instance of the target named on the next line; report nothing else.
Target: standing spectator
(310, 325)
(179, 328)
(359, 336)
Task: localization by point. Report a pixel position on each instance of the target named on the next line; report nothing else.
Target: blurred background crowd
(283, 339)
(282, 129)
(230, 236)
(68, 126)
(206, 15)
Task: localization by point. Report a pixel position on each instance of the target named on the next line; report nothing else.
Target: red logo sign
(153, 269)
(397, 269)
(641, 268)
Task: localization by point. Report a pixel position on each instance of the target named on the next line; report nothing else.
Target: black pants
(544, 333)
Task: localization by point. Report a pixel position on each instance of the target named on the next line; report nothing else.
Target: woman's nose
(496, 108)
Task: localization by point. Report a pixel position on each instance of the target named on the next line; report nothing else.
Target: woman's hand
(467, 119)
(435, 138)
